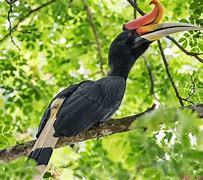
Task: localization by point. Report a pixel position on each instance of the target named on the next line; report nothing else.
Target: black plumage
(91, 103)
(63, 94)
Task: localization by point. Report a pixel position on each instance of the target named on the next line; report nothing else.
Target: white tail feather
(46, 138)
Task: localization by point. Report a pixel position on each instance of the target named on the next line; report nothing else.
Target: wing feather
(78, 116)
(66, 93)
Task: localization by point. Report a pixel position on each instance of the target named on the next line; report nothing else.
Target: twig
(10, 26)
(151, 77)
(135, 12)
(134, 4)
(196, 55)
(169, 74)
(10, 1)
(40, 7)
(187, 100)
(96, 35)
(192, 91)
(26, 16)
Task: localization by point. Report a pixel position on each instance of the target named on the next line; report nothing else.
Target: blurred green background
(58, 48)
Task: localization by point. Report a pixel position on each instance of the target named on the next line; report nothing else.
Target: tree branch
(111, 127)
(10, 25)
(196, 55)
(151, 77)
(134, 4)
(169, 74)
(192, 90)
(135, 12)
(10, 1)
(96, 35)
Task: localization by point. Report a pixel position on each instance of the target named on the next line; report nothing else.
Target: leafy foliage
(191, 38)
(17, 170)
(58, 48)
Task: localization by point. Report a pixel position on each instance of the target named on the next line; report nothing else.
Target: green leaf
(47, 175)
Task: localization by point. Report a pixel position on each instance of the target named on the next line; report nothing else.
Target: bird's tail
(45, 143)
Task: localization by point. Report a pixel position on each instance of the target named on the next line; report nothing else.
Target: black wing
(92, 102)
(64, 93)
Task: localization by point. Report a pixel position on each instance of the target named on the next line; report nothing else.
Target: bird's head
(137, 36)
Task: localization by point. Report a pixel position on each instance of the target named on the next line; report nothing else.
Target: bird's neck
(122, 71)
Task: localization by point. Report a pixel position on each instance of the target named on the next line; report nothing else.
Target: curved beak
(156, 31)
(148, 26)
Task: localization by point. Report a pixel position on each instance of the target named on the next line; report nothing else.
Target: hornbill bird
(80, 106)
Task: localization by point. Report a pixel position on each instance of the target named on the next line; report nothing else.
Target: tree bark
(111, 127)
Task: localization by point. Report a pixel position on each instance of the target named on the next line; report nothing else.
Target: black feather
(91, 103)
(64, 93)
(41, 155)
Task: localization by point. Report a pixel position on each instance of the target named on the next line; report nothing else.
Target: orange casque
(153, 17)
